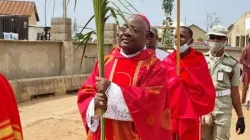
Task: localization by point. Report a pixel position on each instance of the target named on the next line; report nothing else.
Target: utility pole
(207, 15)
(64, 9)
(186, 20)
(45, 11)
(53, 8)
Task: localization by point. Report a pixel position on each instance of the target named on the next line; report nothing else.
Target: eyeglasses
(213, 37)
(125, 28)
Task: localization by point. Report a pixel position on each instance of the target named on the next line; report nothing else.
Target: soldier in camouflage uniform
(225, 73)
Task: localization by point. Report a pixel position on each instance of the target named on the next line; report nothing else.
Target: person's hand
(102, 84)
(240, 126)
(100, 101)
(207, 120)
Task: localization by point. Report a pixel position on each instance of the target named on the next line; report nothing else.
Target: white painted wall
(33, 30)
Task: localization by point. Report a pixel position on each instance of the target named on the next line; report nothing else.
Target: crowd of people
(143, 96)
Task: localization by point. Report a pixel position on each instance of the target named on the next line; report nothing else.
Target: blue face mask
(183, 48)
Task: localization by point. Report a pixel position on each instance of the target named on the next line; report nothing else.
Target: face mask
(183, 48)
(216, 46)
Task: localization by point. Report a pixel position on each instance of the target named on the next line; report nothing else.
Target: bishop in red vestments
(192, 94)
(10, 126)
(133, 92)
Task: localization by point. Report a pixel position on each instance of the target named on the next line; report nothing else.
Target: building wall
(198, 33)
(90, 57)
(23, 59)
(238, 34)
(32, 19)
(33, 30)
(34, 59)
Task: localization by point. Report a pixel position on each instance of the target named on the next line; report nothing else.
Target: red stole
(142, 80)
(9, 116)
(192, 94)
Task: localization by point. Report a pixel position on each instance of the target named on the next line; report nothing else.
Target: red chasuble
(192, 94)
(142, 80)
(10, 126)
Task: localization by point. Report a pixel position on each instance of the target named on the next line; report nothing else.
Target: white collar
(130, 55)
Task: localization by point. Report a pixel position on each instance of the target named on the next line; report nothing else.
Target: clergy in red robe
(192, 93)
(10, 126)
(133, 91)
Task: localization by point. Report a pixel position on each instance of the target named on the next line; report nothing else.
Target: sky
(194, 11)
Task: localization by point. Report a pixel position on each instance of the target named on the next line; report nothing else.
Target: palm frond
(84, 48)
(68, 2)
(87, 23)
(75, 5)
(85, 39)
(132, 6)
(113, 14)
(126, 7)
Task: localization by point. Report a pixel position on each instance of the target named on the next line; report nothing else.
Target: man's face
(184, 37)
(132, 38)
(151, 41)
(219, 39)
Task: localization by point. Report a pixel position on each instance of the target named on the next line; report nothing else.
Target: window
(242, 44)
(247, 38)
(237, 41)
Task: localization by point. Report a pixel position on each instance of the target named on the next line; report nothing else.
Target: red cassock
(142, 79)
(192, 94)
(10, 126)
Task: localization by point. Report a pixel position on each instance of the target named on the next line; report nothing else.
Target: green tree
(167, 7)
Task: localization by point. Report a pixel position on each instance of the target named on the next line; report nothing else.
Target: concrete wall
(110, 32)
(61, 29)
(29, 59)
(25, 89)
(90, 57)
(34, 59)
(238, 30)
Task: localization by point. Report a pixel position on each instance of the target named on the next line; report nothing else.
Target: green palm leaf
(84, 47)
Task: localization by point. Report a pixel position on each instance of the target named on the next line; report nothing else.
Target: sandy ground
(57, 118)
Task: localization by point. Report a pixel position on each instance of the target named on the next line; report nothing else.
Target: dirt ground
(57, 118)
